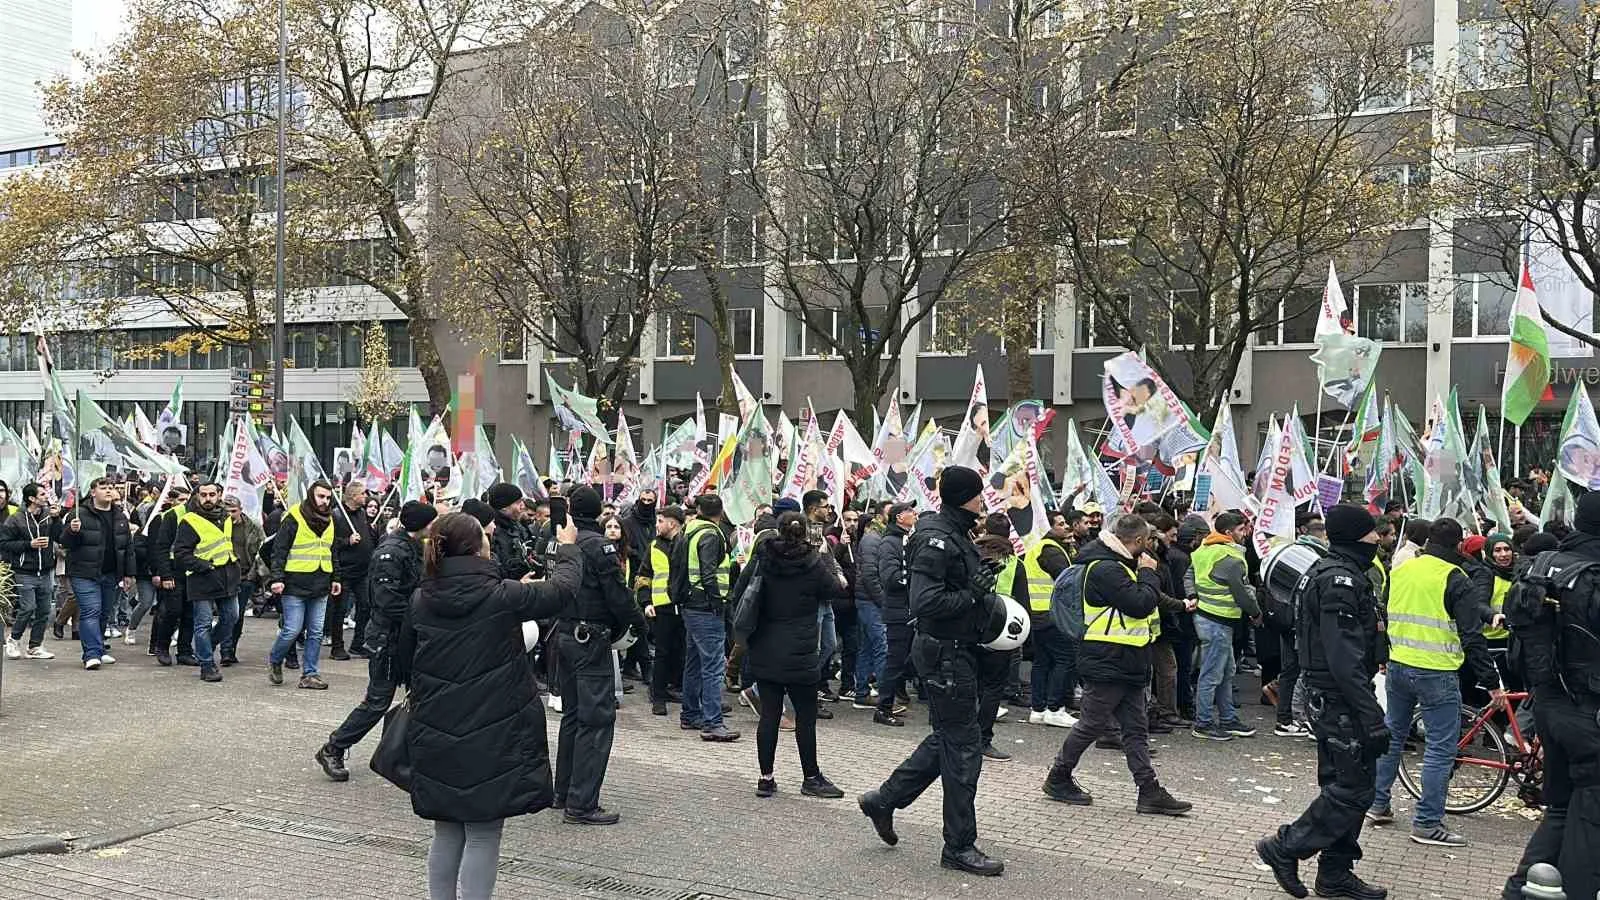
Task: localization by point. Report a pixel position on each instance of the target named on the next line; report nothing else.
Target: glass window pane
(1378, 311)
(1461, 316)
(328, 346)
(1496, 296)
(1416, 313)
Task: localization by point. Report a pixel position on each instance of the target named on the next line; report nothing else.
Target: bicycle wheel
(1479, 774)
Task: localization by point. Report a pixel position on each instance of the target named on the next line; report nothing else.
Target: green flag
(1527, 378)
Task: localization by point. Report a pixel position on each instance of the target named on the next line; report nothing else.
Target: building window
(1411, 86)
(617, 342)
(803, 341)
(675, 334)
(955, 225)
(1483, 305)
(397, 107)
(1095, 330)
(1488, 54)
(949, 328)
(1499, 176)
(740, 240)
(744, 330)
(1115, 109)
(1393, 313)
(513, 341)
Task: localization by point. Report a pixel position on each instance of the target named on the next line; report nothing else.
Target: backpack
(1066, 600)
(1536, 618)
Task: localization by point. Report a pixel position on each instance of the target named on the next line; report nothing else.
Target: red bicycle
(1493, 751)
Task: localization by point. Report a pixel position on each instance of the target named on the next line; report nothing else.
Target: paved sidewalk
(127, 747)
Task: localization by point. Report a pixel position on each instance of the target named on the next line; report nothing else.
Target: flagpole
(1500, 445)
(1335, 449)
(1516, 448)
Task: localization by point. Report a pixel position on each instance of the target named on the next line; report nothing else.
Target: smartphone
(558, 511)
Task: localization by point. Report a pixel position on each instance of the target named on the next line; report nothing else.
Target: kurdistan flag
(1527, 356)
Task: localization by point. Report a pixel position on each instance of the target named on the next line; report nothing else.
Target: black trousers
(360, 594)
(174, 615)
(897, 664)
(370, 711)
(848, 626)
(952, 752)
(1110, 707)
(994, 680)
(1288, 674)
(1569, 836)
(666, 630)
(588, 720)
(804, 698)
(1331, 825)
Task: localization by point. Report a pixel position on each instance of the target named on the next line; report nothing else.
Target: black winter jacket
(1336, 633)
(16, 539)
(941, 563)
(796, 583)
(202, 580)
(868, 587)
(477, 733)
(158, 544)
(354, 560)
(87, 546)
(1108, 585)
(889, 568)
(396, 569)
(603, 596)
(509, 546)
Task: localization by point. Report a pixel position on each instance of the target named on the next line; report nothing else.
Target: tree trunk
(1019, 359)
(426, 351)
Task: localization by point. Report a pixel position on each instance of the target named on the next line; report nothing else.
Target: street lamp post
(279, 338)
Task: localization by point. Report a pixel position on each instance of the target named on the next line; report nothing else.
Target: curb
(50, 844)
(27, 845)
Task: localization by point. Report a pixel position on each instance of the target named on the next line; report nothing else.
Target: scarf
(317, 521)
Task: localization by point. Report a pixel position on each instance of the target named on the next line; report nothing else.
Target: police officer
(509, 544)
(396, 569)
(1337, 638)
(949, 589)
(1554, 630)
(601, 611)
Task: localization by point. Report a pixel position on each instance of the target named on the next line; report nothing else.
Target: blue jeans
(1052, 667)
(34, 593)
(704, 661)
(95, 596)
(1213, 702)
(298, 612)
(227, 612)
(1439, 695)
(827, 642)
(874, 651)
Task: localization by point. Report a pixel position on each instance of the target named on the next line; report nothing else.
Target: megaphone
(1014, 624)
(530, 635)
(629, 637)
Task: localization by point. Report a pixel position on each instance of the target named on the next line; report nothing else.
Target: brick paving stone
(90, 752)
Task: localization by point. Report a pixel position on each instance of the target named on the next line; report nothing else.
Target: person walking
(599, 612)
(704, 575)
(203, 551)
(28, 541)
(1336, 638)
(305, 574)
(99, 547)
(950, 599)
(171, 603)
(476, 738)
(889, 572)
(1222, 584)
(1120, 615)
(782, 648)
(247, 541)
(396, 570)
(1435, 625)
(1052, 651)
(353, 541)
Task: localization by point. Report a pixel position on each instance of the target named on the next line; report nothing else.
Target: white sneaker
(349, 623)
(249, 613)
(130, 637)
(39, 653)
(105, 633)
(1036, 717)
(116, 632)
(12, 650)
(107, 658)
(91, 664)
(1001, 713)
(1060, 718)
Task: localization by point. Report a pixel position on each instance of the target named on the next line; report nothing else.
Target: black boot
(1157, 802)
(1285, 868)
(972, 860)
(596, 816)
(331, 759)
(881, 814)
(1345, 883)
(1066, 790)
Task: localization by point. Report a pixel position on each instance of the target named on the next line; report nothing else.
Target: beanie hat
(1473, 545)
(503, 495)
(1587, 519)
(585, 502)
(479, 510)
(958, 485)
(415, 516)
(785, 504)
(1348, 523)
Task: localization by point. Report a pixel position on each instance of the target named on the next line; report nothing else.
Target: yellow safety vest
(1040, 584)
(1104, 623)
(311, 552)
(1380, 584)
(660, 575)
(697, 530)
(1497, 605)
(1215, 597)
(1006, 582)
(216, 544)
(1421, 633)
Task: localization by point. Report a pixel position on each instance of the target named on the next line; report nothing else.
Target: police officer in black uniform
(599, 613)
(396, 568)
(1336, 632)
(951, 600)
(510, 544)
(1555, 627)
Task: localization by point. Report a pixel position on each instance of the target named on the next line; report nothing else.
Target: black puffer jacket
(477, 733)
(509, 546)
(889, 570)
(396, 569)
(101, 532)
(796, 581)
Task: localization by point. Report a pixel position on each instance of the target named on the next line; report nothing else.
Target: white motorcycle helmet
(1013, 629)
(530, 635)
(629, 637)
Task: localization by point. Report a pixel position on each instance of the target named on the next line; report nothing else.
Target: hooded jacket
(1234, 574)
(202, 580)
(796, 583)
(1108, 584)
(477, 732)
(869, 589)
(16, 542)
(889, 572)
(509, 546)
